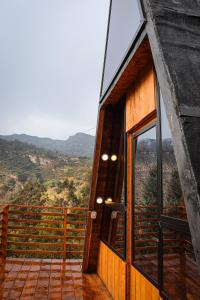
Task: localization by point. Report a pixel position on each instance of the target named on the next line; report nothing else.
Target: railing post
(65, 234)
(4, 232)
(88, 233)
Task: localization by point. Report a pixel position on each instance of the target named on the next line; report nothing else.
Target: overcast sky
(51, 58)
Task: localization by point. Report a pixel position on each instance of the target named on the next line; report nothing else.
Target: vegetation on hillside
(34, 176)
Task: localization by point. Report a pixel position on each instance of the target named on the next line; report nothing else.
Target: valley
(35, 176)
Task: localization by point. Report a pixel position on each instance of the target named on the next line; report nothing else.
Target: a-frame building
(143, 237)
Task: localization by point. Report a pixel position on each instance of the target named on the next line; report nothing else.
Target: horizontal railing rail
(146, 225)
(46, 231)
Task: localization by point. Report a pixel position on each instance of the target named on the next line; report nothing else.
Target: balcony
(41, 254)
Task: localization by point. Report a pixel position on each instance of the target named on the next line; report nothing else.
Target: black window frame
(128, 51)
(135, 135)
(176, 224)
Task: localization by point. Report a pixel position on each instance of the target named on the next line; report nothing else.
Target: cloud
(51, 59)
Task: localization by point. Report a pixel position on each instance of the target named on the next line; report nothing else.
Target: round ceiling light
(113, 157)
(104, 157)
(99, 200)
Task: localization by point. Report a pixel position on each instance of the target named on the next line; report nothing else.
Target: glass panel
(181, 279)
(118, 241)
(114, 212)
(146, 207)
(173, 202)
(114, 225)
(124, 22)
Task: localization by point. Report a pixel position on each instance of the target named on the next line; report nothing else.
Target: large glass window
(146, 202)
(124, 22)
(162, 246)
(181, 279)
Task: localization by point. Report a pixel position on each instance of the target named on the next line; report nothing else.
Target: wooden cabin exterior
(143, 236)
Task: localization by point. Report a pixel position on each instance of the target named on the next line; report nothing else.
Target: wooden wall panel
(112, 270)
(141, 288)
(141, 98)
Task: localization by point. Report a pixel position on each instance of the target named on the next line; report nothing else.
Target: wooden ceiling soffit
(139, 58)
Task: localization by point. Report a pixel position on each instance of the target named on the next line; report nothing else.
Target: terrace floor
(43, 279)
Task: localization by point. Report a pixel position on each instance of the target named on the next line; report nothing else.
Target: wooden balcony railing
(38, 231)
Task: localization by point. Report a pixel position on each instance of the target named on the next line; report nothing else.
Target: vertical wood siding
(112, 270)
(141, 288)
(141, 98)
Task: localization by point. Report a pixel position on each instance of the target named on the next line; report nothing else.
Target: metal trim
(187, 111)
(144, 129)
(175, 224)
(114, 250)
(148, 277)
(116, 206)
(159, 182)
(106, 44)
(134, 142)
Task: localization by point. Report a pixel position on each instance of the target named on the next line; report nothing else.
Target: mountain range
(80, 144)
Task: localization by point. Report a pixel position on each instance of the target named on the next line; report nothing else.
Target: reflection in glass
(146, 207)
(124, 23)
(113, 227)
(173, 202)
(181, 279)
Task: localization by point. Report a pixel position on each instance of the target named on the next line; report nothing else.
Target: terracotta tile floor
(49, 279)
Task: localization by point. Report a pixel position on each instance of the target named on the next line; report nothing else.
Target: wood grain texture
(138, 60)
(112, 270)
(141, 288)
(141, 98)
(19, 236)
(49, 279)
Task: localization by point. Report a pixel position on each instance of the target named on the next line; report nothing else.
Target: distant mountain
(147, 150)
(149, 145)
(80, 144)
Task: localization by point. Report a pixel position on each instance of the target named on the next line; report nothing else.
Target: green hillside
(30, 175)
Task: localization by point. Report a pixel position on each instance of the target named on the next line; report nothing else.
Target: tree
(33, 193)
(85, 190)
(174, 191)
(150, 187)
(73, 199)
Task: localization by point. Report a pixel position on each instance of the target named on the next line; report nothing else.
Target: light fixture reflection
(108, 201)
(104, 157)
(113, 157)
(99, 200)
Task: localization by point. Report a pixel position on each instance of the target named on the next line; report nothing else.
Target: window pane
(114, 212)
(114, 225)
(114, 219)
(181, 279)
(124, 22)
(173, 202)
(146, 207)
